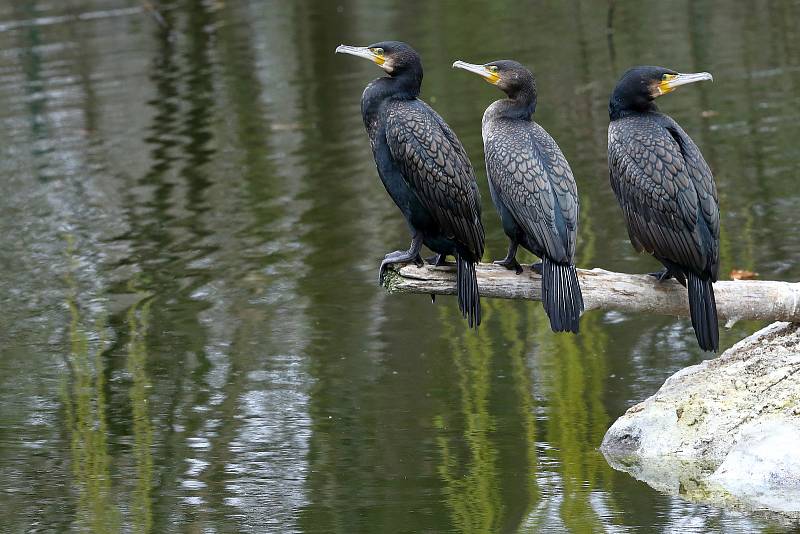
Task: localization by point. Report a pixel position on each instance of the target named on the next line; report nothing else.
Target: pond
(192, 338)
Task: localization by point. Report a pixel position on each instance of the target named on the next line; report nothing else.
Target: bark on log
(736, 300)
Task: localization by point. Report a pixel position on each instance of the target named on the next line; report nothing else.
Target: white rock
(726, 431)
(763, 467)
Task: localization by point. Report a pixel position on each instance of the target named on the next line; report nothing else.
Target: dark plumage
(424, 168)
(666, 190)
(533, 189)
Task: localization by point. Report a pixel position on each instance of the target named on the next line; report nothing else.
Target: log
(737, 300)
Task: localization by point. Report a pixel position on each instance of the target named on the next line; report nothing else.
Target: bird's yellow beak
(373, 54)
(487, 72)
(670, 82)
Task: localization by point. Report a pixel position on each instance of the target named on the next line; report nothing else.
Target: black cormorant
(533, 189)
(666, 190)
(424, 168)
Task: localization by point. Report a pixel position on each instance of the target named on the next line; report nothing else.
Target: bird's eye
(377, 51)
(493, 69)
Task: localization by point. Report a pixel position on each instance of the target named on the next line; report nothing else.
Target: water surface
(192, 339)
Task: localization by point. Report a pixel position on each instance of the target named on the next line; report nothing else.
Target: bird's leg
(402, 256)
(510, 261)
(537, 268)
(437, 260)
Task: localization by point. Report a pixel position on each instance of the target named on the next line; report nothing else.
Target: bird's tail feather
(469, 300)
(703, 309)
(561, 295)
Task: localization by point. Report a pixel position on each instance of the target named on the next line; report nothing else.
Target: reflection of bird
(533, 189)
(666, 190)
(424, 168)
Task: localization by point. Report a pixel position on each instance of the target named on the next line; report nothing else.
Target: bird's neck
(404, 86)
(520, 106)
(618, 109)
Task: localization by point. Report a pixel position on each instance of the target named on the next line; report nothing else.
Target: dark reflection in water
(191, 223)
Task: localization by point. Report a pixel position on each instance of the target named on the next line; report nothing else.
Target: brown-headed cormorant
(666, 190)
(533, 188)
(424, 168)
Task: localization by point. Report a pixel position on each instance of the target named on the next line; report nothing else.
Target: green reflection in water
(576, 418)
(512, 323)
(471, 478)
(138, 317)
(488, 463)
(83, 395)
(84, 402)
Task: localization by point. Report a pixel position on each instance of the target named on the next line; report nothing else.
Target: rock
(763, 467)
(726, 431)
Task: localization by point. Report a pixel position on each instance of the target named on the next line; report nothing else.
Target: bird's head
(395, 57)
(639, 86)
(509, 76)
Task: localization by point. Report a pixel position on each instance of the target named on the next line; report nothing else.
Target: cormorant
(666, 190)
(424, 168)
(533, 188)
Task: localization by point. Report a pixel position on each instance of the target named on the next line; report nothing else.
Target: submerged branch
(736, 300)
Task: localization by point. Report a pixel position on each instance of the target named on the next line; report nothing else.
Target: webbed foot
(666, 273)
(510, 263)
(663, 274)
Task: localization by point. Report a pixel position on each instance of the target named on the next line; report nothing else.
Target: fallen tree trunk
(736, 300)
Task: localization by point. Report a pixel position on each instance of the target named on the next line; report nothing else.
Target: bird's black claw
(382, 272)
(418, 261)
(537, 268)
(511, 265)
(387, 260)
